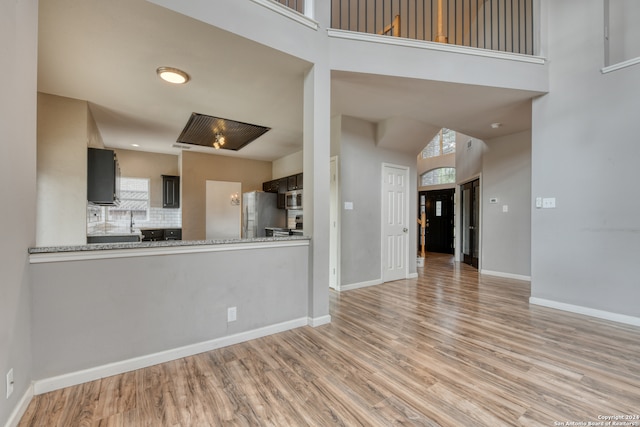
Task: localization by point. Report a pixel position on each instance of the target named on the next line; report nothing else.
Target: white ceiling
(468, 109)
(106, 52)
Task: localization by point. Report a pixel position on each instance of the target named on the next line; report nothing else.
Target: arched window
(438, 176)
(443, 143)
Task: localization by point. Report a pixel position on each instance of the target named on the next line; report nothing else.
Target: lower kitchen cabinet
(112, 239)
(152, 235)
(173, 234)
(157, 234)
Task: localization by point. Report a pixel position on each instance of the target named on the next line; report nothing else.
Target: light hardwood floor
(450, 348)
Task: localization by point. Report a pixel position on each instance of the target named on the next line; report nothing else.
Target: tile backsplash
(158, 218)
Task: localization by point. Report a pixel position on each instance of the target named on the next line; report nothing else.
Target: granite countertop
(158, 244)
(115, 232)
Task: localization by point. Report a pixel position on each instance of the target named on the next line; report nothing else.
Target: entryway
(438, 206)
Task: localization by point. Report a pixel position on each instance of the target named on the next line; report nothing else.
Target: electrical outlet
(9, 383)
(231, 314)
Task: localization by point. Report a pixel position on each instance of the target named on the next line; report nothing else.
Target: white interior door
(222, 216)
(395, 222)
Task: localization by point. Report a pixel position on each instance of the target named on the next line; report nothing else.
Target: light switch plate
(549, 203)
(505, 208)
(348, 206)
(9, 383)
(538, 202)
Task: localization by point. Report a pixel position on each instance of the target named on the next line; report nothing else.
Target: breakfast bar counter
(164, 247)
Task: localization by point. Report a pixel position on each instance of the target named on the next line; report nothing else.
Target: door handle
(405, 230)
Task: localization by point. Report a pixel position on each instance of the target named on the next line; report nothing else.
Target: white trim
(600, 314)
(421, 44)
(620, 65)
(360, 285)
(287, 12)
(21, 408)
(74, 378)
(334, 232)
(83, 255)
(319, 321)
(506, 275)
(412, 276)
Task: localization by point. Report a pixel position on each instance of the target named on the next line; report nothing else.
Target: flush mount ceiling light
(172, 75)
(496, 125)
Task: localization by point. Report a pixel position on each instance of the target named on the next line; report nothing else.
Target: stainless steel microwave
(293, 199)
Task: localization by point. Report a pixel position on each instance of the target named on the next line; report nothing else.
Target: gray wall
(18, 58)
(468, 159)
(360, 180)
(90, 313)
(506, 175)
(585, 152)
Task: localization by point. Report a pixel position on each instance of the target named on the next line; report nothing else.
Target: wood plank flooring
(450, 348)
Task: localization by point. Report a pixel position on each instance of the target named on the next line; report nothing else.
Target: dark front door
(439, 210)
(470, 201)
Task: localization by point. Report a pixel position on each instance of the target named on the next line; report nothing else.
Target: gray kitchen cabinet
(103, 177)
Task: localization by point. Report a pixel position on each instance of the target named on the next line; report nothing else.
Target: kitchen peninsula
(104, 309)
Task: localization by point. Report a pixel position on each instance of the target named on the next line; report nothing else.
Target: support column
(316, 141)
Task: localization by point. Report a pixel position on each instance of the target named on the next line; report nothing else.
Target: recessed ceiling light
(172, 75)
(135, 145)
(496, 125)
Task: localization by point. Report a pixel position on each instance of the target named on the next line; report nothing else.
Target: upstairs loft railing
(504, 25)
(297, 5)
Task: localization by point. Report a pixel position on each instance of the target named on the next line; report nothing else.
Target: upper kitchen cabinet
(294, 182)
(270, 186)
(170, 191)
(103, 177)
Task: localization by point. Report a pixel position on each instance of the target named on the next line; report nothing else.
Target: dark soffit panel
(203, 130)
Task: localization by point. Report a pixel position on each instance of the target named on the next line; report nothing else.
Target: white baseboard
(21, 408)
(319, 321)
(74, 378)
(506, 275)
(360, 285)
(600, 314)
(412, 276)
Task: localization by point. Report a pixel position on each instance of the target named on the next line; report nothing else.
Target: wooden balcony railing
(504, 25)
(297, 5)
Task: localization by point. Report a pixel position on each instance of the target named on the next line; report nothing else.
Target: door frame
(458, 203)
(453, 191)
(334, 229)
(407, 206)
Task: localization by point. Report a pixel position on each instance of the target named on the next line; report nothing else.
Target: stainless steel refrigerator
(260, 210)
